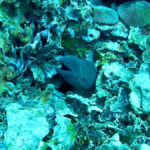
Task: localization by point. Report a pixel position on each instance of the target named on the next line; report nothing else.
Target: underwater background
(74, 75)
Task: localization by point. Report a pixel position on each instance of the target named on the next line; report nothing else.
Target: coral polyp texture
(74, 75)
(135, 13)
(105, 15)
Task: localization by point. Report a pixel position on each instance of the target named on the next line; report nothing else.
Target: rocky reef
(75, 75)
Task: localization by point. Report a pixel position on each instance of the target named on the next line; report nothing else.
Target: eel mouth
(64, 66)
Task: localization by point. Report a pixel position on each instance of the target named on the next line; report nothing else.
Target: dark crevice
(65, 87)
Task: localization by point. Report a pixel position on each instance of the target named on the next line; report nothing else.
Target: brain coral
(135, 13)
(105, 15)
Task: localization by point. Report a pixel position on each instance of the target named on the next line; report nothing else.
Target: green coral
(74, 46)
(70, 44)
(12, 17)
(107, 57)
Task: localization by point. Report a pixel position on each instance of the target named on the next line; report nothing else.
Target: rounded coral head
(105, 15)
(135, 13)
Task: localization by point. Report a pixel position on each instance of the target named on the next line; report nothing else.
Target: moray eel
(80, 74)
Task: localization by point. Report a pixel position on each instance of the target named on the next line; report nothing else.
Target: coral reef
(74, 75)
(135, 13)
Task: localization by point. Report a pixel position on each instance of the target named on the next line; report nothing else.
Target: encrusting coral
(135, 13)
(105, 15)
(74, 75)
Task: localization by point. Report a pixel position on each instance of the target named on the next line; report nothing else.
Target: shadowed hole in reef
(16, 41)
(65, 87)
(137, 51)
(44, 40)
(126, 59)
(48, 148)
(33, 84)
(109, 2)
(1, 26)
